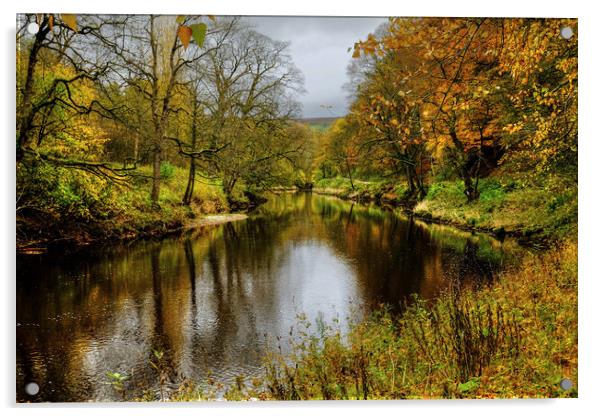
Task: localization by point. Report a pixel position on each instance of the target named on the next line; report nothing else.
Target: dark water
(208, 298)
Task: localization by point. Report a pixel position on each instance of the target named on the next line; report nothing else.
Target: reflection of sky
(309, 277)
(123, 343)
(316, 281)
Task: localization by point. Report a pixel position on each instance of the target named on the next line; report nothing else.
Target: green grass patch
(532, 206)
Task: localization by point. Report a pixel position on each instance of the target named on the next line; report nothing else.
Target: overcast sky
(318, 46)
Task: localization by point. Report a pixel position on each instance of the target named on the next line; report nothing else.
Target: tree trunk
(156, 173)
(136, 144)
(410, 179)
(470, 187)
(470, 190)
(420, 175)
(192, 172)
(349, 174)
(25, 113)
(418, 184)
(228, 187)
(190, 185)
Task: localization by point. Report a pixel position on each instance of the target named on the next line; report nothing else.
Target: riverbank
(122, 212)
(516, 338)
(521, 206)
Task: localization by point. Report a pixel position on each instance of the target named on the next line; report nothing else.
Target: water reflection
(207, 298)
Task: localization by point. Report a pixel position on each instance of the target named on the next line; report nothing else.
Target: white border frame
(590, 151)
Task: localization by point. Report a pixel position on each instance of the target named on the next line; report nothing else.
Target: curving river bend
(213, 299)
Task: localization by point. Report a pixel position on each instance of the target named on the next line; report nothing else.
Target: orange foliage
(473, 86)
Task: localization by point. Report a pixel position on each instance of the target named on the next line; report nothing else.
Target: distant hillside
(319, 123)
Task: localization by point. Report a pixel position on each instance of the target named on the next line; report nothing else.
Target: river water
(213, 299)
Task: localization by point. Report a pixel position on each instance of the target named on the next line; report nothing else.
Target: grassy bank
(515, 204)
(379, 191)
(516, 337)
(79, 208)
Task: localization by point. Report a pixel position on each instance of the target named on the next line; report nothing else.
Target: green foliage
(117, 381)
(79, 205)
(491, 190)
(453, 192)
(198, 33)
(336, 182)
(536, 206)
(468, 387)
(63, 192)
(491, 195)
(167, 171)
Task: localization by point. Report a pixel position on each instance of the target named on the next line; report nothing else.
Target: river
(213, 299)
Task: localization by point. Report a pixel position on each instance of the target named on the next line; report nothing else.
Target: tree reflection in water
(202, 302)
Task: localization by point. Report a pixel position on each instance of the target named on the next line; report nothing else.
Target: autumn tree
(542, 66)
(150, 55)
(57, 96)
(61, 132)
(477, 81)
(392, 120)
(303, 161)
(248, 88)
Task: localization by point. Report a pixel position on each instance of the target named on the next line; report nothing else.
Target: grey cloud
(318, 46)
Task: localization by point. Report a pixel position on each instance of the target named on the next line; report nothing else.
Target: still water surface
(214, 299)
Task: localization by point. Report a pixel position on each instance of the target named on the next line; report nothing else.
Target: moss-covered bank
(519, 205)
(74, 212)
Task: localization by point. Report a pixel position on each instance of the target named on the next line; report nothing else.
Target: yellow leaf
(51, 22)
(211, 17)
(185, 33)
(70, 20)
(356, 51)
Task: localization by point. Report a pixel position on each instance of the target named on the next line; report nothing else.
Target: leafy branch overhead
(186, 33)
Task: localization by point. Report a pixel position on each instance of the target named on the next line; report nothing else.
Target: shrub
(449, 191)
(167, 171)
